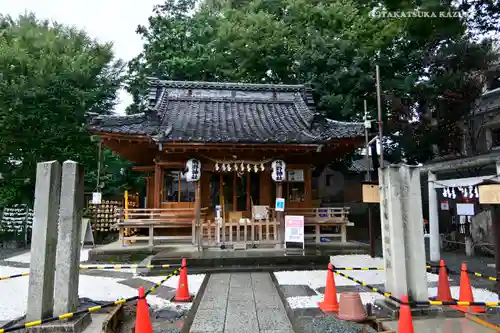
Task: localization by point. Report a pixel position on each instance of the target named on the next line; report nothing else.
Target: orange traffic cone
(182, 294)
(330, 303)
(466, 294)
(444, 292)
(142, 319)
(405, 323)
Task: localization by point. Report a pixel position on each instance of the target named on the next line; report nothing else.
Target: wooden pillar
(235, 197)
(248, 190)
(308, 186)
(150, 192)
(157, 186)
(280, 215)
(221, 196)
(197, 202)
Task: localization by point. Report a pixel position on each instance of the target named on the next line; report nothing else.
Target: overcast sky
(107, 20)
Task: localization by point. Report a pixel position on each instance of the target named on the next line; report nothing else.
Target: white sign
(295, 175)
(465, 209)
(294, 229)
(445, 205)
(280, 205)
(96, 198)
(278, 171)
(193, 170)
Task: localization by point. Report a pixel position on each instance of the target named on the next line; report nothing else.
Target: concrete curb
(288, 309)
(196, 303)
(113, 320)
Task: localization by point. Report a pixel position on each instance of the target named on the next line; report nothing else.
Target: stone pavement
(242, 303)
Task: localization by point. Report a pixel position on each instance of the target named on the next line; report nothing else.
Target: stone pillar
(434, 246)
(402, 232)
(43, 241)
(68, 242)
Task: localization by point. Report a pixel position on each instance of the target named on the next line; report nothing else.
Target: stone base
(388, 308)
(72, 325)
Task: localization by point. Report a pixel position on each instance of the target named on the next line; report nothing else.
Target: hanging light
(471, 189)
(229, 167)
(223, 167)
(235, 167)
(249, 168)
(217, 168)
(476, 192)
(453, 194)
(466, 194)
(445, 193)
(255, 168)
(242, 167)
(262, 167)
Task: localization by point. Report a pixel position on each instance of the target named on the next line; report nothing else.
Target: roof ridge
(229, 99)
(227, 85)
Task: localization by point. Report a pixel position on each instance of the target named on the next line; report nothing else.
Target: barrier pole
(125, 197)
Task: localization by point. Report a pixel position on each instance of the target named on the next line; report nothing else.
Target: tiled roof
(229, 113)
(360, 165)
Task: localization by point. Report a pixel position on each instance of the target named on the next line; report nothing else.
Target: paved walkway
(242, 303)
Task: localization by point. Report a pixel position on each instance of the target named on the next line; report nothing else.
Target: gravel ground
(329, 324)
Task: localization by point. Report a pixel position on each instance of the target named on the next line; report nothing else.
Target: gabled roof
(209, 112)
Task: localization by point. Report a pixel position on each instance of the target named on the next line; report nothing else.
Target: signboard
(465, 209)
(280, 205)
(96, 198)
(278, 171)
(193, 170)
(371, 193)
(489, 194)
(445, 205)
(87, 237)
(295, 175)
(294, 229)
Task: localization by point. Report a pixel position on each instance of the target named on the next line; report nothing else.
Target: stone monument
(402, 232)
(68, 239)
(55, 247)
(43, 241)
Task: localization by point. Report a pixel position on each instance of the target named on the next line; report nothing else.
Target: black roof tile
(229, 113)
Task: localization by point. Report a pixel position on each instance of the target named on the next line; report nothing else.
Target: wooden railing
(322, 215)
(160, 215)
(336, 218)
(155, 218)
(240, 233)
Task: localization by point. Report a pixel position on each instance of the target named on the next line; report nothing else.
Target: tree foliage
(330, 45)
(51, 77)
(334, 46)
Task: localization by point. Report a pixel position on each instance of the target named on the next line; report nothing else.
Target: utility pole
(368, 177)
(367, 148)
(99, 164)
(379, 107)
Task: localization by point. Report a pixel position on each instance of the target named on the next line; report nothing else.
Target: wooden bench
(324, 217)
(155, 218)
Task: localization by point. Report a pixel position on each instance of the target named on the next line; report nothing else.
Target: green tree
(51, 77)
(332, 45)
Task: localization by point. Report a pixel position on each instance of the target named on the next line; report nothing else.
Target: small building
(235, 131)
